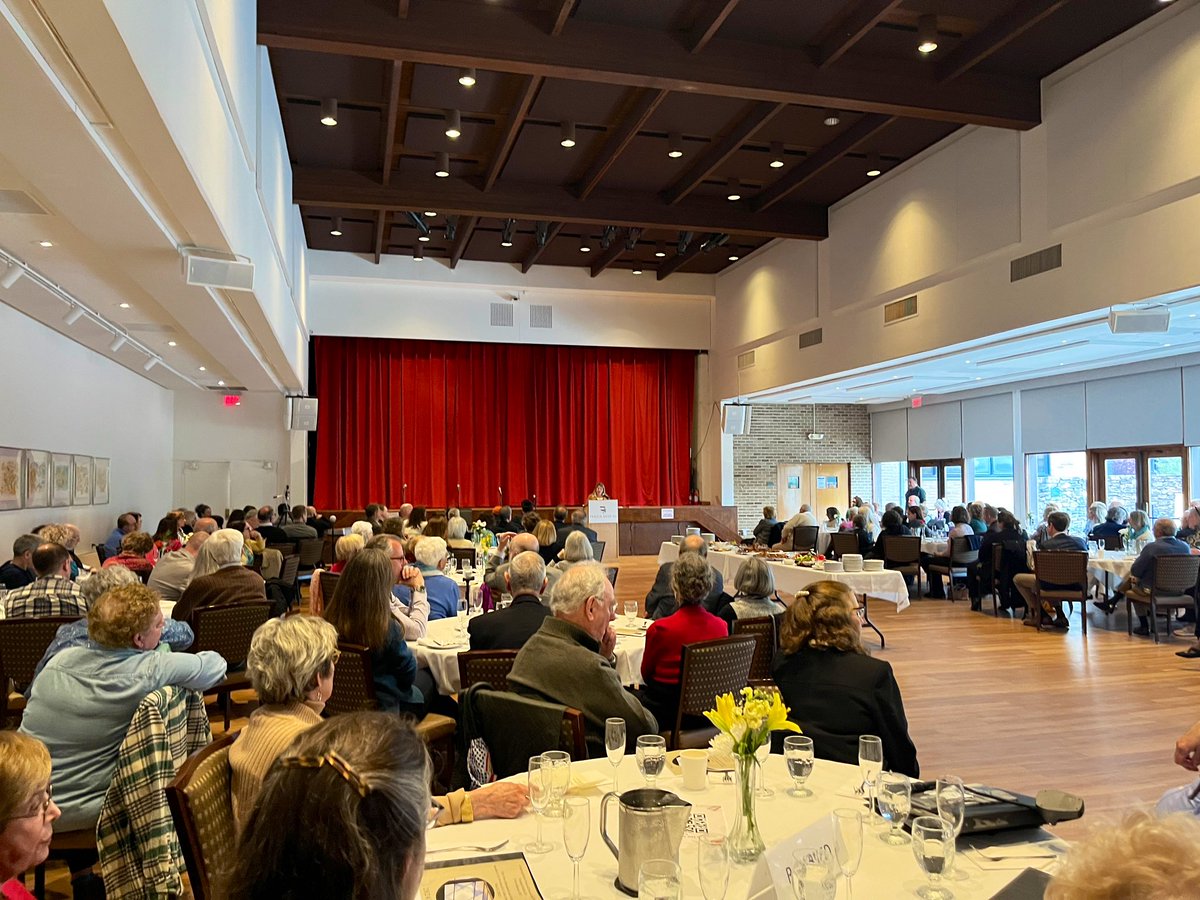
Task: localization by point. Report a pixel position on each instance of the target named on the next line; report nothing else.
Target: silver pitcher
(651, 827)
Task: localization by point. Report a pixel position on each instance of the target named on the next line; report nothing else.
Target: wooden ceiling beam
(643, 105)
(819, 161)
(716, 154)
(609, 255)
(668, 266)
(710, 16)
(994, 36)
(500, 39)
(466, 227)
(537, 250)
(854, 23)
(508, 137)
(390, 119)
(347, 189)
(560, 12)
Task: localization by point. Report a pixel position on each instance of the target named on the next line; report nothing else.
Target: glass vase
(745, 841)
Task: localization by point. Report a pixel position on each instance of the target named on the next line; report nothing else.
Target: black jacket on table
(661, 602)
(836, 696)
(508, 629)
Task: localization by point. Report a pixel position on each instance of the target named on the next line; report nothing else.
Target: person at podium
(598, 492)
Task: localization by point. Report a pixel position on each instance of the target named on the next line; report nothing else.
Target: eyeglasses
(861, 612)
(42, 808)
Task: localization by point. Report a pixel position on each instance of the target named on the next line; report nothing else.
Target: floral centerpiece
(481, 537)
(745, 724)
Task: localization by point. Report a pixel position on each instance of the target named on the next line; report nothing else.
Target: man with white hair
(231, 583)
(803, 517)
(173, 570)
(660, 601)
(1140, 581)
(403, 513)
(509, 629)
(524, 542)
(570, 659)
(206, 524)
(430, 556)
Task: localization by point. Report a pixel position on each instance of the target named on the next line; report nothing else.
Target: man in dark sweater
(18, 571)
(660, 602)
(1027, 584)
(230, 585)
(271, 533)
(509, 629)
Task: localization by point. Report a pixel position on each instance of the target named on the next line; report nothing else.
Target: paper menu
(504, 876)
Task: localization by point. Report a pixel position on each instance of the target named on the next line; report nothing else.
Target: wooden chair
(320, 589)
(804, 538)
(961, 556)
(289, 573)
(64, 843)
(903, 553)
(1113, 541)
(842, 542)
(463, 555)
(228, 630)
(764, 632)
(610, 572)
(1173, 577)
(287, 549)
(598, 550)
(23, 643)
(201, 800)
(310, 552)
(997, 576)
(101, 553)
(709, 668)
(485, 667)
(1066, 567)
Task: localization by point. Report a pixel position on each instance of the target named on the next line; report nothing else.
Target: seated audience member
(135, 551)
(1144, 857)
(403, 513)
(755, 594)
(414, 526)
(762, 531)
(360, 611)
(493, 574)
(529, 521)
(435, 526)
(547, 539)
(174, 570)
(1136, 533)
(560, 518)
(660, 601)
(166, 537)
(570, 660)
(833, 520)
(82, 702)
(859, 527)
(298, 528)
(509, 629)
(961, 528)
(203, 510)
(915, 520)
(456, 533)
(990, 514)
(576, 523)
(374, 514)
(271, 533)
(366, 530)
(220, 579)
(975, 517)
(1190, 532)
(19, 571)
(691, 582)
(343, 551)
(1096, 513)
(504, 520)
(320, 523)
(66, 535)
(1028, 585)
(27, 811)
(412, 613)
(126, 524)
(53, 593)
(576, 549)
(1110, 527)
(802, 518)
(891, 526)
(834, 689)
(1008, 533)
(1140, 581)
(1042, 532)
(430, 555)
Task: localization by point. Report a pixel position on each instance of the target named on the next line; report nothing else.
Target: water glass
(462, 618)
(870, 764)
(651, 755)
(539, 796)
(505, 601)
(559, 762)
(952, 807)
(933, 847)
(848, 838)
(760, 756)
(659, 879)
(895, 803)
(475, 603)
(614, 744)
(451, 566)
(712, 866)
(631, 610)
(798, 753)
(813, 877)
(577, 826)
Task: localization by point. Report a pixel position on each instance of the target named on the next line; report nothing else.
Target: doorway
(940, 478)
(820, 485)
(1152, 479)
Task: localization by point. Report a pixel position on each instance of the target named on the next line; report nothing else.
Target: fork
(476, 847)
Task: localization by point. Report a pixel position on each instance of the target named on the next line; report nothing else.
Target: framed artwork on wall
(10, 478)
(81, 493)
(60, 479)
(37, 479)
(100, 466)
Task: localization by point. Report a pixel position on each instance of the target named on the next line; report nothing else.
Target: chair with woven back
(763, 630)
(843, 542)
(903, 554)
(708, 668)
(320, 589)
(102, 553)
(23, 643)
(514, 727)
(201, 800)
(804, 538)
(287, 548)
(289, 572)
(310, 552)
(463, 555)
(1067, 568)
(598, 550)
(962, 555)
(228, 630)
(610, 572)
(1173, 576)
(485, 667)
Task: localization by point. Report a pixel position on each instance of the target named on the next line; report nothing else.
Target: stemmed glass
(870, 764)
(760, 757)
(462, 618)
(712, 865)
(614, 744)
(933, 847)
(577, 824)
(895, 802)
(539, 796)
(631, 609)
(651, 757)
(952, 807)
(813, 879)
(798, 752)
(848, 827)
(559, 762)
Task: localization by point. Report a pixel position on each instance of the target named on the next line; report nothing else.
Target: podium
(602, 519)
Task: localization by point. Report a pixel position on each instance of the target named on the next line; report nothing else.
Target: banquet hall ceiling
(734, 85)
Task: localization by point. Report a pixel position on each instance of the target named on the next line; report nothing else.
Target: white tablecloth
(934, 547)
(885, 872)
(1115, 562)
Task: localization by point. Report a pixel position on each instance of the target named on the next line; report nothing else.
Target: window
(891, 481)
(990, 480)
(1194, 471)
(1059, 478)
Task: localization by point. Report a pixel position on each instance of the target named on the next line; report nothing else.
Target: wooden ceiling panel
(695, 115)
(656, 15)
(423, 133)
(577, 101)
(438, 87)
(763, 22)
(351, 79)
(354, 143)
(645, 166)
(538, 155)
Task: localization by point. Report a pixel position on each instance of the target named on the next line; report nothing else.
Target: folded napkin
(441, 644)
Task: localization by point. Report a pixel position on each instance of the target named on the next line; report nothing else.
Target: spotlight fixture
(220, 383)
(453, 124)
(585, 245)
(203, 369)
(733, 190)
(451, 227)
(659, 251)
(117, 343)
(442, 164)
(733, 257)
(568, 134)
(150, 363)
(336, 228)
(45, 243)
(74, 314)
(123, 305)
(467, 78)
(506, 236)
(832, 118)
(674, 145)
(776, 155)
(873, 166)
(11, 276)
(429, 213)
(329, 111)
(424, 238)
(418, 253)
(171, 343)
(637, 270)
(927, 33)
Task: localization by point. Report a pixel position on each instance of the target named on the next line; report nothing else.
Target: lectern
(602, 519)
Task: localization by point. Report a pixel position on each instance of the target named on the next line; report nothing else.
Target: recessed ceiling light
(733, 190)
(329, 111)
(674, 145)
(776, 155)
(441, 164)
(430, 213)
(467, 78)
(418, 253)
(832, 118)
(927, 33)
(659, 251)
(453, 125)
(123, 305)
(45, 243)
(733, 257)
(203, 369)
(568, 134)
(220, 383)
(637, 271)
(584, 246)
(171, 343)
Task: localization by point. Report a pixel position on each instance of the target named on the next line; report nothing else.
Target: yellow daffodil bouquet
(749, 723)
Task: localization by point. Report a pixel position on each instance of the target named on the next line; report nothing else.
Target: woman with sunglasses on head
(27, 812)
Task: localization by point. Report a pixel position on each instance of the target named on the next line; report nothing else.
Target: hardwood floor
(998, 703)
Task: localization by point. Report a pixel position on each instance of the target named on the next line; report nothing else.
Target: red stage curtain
(458, 422)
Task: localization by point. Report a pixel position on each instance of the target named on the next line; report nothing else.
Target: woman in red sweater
(691, 582)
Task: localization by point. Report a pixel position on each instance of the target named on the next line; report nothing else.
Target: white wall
(62, 397)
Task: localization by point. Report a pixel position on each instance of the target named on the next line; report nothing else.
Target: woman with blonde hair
(547, 538)
(344, 550)
(835, 690)
(27, 812)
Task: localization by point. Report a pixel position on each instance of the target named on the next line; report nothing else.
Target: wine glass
(933, 847)
(848, 837)
(952, 806)
(462, 617)
(712, 865)
(614, 744)
(559, 762)
(651, 755)
(539, 796)
(631, 610)
(659, 879)
(813, 877)
(895, 802)
(475, 604)
(760, 756)
(451, 566)
(577, 824)
(798, 752)
(870, 764)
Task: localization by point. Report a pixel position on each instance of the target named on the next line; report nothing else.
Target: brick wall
(779, 434)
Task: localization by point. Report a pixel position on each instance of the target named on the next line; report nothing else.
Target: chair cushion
(435, 726)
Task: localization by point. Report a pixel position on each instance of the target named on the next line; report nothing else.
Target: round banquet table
(1114, 562)
(885, 871)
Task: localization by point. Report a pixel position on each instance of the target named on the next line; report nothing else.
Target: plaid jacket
(139, 850)
(49, 596)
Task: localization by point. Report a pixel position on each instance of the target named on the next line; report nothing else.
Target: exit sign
(916, 402)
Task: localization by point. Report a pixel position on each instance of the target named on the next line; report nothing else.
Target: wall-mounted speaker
(216, 271)
(735, 418)
(303, 414)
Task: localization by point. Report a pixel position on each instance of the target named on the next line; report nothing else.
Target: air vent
(226, 389)
(20, 202)
(746, 360)
(502, 315)
(1036, 263)
(898, 310)
(541, 316)
(810, 338)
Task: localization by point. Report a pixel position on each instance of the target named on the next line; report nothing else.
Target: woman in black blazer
(836, 692)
